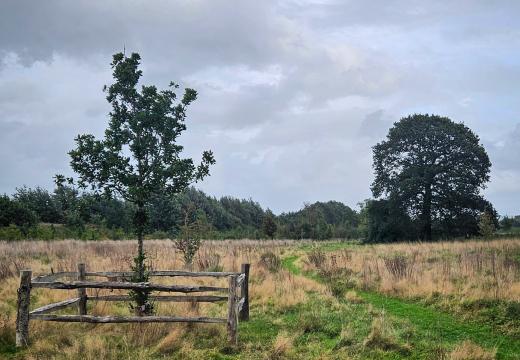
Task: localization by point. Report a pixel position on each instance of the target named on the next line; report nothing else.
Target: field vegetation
(309, 300)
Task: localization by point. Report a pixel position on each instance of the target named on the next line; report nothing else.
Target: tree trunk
(140, 222)
(427, 212)
(141, 297)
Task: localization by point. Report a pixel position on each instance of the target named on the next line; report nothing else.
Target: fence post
(232, 311)
(22, 312)
(82, 292)
(244, 293)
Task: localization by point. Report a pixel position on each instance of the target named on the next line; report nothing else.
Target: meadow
(309, 300)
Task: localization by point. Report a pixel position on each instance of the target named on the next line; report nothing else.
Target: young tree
(269, 225)
(486, 224)
(433, 168)
(195, 226)
(139, 155)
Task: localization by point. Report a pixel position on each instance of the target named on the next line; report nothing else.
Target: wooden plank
(22, 309)
(171, 273)
(125, 286)
(51, 277)
(54, 306)
(110, 274)
(232, 319)
(123, 319)
(189, 298)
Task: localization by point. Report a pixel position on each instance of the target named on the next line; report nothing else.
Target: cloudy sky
(292, 94)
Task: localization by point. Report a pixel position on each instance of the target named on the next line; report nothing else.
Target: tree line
(36, 213)
(67, 213)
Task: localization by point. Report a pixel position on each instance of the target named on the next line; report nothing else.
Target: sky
(292, 94)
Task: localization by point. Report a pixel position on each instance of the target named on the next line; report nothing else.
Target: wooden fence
(237, 298)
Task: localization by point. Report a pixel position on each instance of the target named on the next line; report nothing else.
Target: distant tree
(13, 212)
(433, 168)
(486, 224)
(139, 155)
(387, 222)
(321, 220)
(40, 202)
(507, 222)
(363, 218)
(269, 225)
(5, 210)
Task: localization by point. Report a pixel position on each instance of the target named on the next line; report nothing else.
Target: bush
(317, 258)
(337, 288)
(10, 233)
(400, 266)
(270, 262)
(42, 232)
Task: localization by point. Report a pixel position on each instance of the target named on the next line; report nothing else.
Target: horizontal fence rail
(198, 298)
(124, 286)
(123, 319)
(237, 305)
(129, 274)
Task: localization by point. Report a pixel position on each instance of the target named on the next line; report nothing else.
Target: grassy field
(328, 300)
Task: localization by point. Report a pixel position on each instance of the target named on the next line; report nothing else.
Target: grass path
(433, 324)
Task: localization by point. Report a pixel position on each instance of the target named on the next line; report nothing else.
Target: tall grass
(469, 270)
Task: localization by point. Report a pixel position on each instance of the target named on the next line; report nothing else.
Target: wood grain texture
(125, 286)
(188, 298)
(54, 306)
(123, 319)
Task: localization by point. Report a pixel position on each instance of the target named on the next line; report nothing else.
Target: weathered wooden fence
(237, 298)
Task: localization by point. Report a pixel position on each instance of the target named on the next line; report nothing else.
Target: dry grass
(469, 270)
(50, 338)
(282, 346)
(473, 269)
(470, 351)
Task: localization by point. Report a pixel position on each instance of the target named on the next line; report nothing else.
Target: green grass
(444, 327)
(432, 326)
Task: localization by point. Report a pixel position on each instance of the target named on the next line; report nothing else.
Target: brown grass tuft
(471, 351)
(281, 347)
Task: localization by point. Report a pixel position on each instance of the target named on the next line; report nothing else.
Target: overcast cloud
(292, 94)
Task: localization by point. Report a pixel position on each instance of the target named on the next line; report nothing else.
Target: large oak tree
(433, 168)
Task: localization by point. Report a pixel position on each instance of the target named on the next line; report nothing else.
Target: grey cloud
(292, 94)
(374, 126)
(504, 153)
(217, 32)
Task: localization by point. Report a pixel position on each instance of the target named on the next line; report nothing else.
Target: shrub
(317, 258)
(400, 266)
(11, 232)
(337, 288)
(270, 262)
